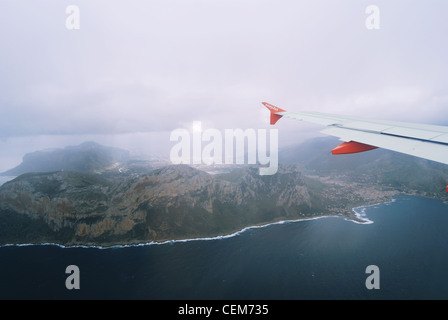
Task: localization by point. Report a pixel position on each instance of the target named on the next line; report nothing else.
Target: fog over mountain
(86, 157)
(136, 70)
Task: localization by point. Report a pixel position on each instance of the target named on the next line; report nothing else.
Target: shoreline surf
(359, 213)
(164, 242)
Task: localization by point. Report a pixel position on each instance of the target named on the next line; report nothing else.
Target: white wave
(167, 241)
(360, 212)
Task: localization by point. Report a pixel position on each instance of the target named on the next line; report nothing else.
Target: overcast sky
(136, 70)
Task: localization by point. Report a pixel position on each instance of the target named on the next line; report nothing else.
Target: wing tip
(274, 110)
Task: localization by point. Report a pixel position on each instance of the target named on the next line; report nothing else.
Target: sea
(400, 252)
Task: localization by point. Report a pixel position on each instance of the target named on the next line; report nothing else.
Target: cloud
(139, 67)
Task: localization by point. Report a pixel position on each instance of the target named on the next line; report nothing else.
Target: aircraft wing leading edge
(361, 134)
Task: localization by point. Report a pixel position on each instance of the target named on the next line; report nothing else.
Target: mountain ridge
(174, 202)
(134, 202)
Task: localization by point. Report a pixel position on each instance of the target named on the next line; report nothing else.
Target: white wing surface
(361, 134)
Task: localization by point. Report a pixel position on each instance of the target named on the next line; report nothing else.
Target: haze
(136, 70)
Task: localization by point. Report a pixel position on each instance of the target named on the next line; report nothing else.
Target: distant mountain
(315, 155)
(381, 167)
(86, 157)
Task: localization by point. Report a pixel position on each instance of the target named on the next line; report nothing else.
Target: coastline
(164, 242)
(358, 216)
(360, 212)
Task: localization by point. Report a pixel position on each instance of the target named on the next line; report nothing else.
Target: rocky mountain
(86, 157)
(174, 202)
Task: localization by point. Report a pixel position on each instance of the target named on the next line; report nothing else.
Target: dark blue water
(317, 259)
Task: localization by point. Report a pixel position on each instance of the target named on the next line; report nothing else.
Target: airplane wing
(361, 134)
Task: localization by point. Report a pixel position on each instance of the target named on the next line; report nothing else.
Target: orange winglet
(352, 147)
(274, 116)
